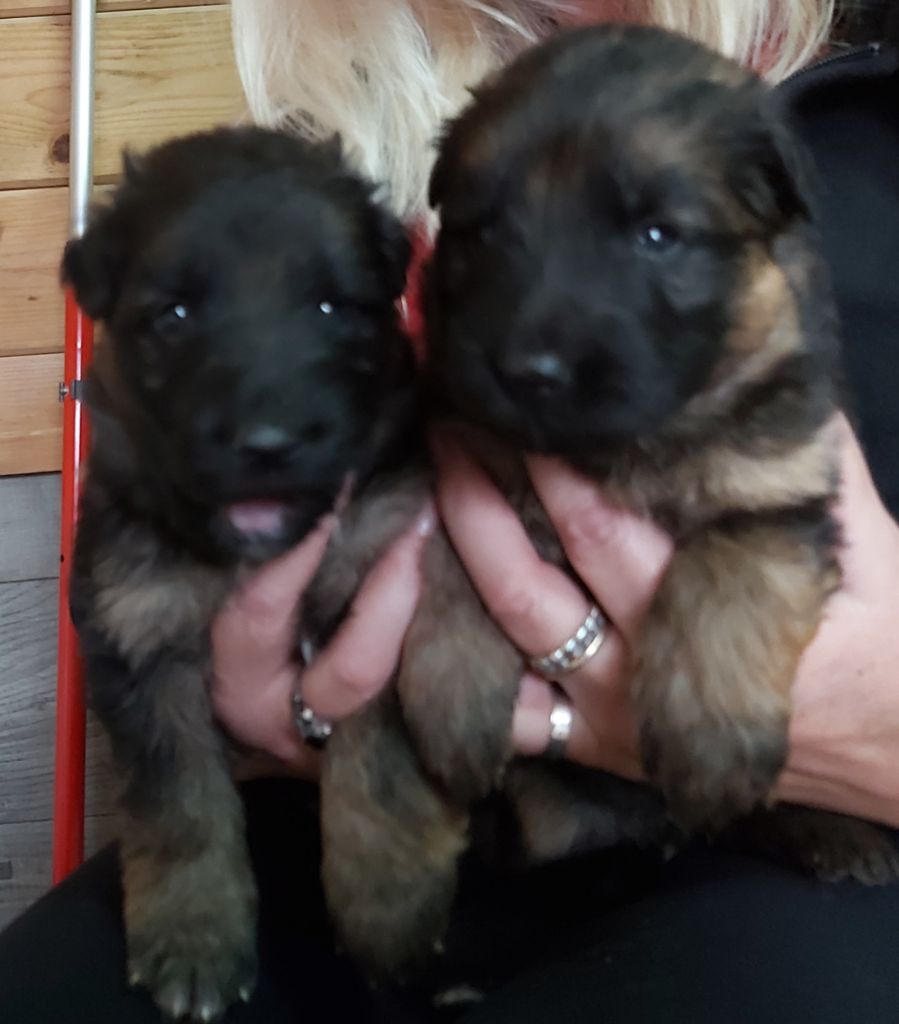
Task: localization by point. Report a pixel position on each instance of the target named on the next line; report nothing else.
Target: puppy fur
(627, 278)
(251, 367)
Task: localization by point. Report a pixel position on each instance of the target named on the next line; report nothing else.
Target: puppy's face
(607, 205)
(248, 288)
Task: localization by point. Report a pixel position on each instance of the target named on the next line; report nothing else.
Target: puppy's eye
(656, 237)
(326, 308)
(171, 320)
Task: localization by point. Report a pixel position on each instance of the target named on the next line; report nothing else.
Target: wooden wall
(29, 532)
(163, 68)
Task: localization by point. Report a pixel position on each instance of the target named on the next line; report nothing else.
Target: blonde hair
(385, 74)
(775, 37)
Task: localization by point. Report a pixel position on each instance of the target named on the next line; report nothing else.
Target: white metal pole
(81, 149)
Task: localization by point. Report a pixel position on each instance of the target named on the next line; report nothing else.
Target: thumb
(255, 631)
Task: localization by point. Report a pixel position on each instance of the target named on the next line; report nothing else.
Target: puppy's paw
(195, 973)
(831, 846)
(715, 771)
(192, 944)
(869, 856)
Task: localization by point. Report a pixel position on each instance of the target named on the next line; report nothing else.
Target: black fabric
(708, 938)
(722, 940)
(847, 111)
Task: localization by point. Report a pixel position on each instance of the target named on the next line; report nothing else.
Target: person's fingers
(605, 740)
(534, 602)
(362, 657)
(619, 556)
(253, 635)
(531, 726)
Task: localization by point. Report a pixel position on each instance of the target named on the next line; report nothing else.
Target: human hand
(254, 641)
(844, 735)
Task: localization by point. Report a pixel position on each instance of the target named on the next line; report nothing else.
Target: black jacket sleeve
(846, 108)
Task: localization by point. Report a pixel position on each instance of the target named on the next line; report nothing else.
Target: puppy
(626, 277)
(252, 366)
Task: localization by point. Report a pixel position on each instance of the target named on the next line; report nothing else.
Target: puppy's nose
(540, 372)
(265, 442)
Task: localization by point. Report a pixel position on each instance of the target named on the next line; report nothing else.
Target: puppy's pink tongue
(259, 518)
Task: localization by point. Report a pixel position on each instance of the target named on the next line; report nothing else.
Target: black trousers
(708, 938)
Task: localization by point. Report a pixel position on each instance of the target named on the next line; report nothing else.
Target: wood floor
(29, 557)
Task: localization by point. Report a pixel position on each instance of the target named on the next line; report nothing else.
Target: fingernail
(427, 521)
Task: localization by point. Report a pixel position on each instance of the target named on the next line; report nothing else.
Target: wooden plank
(33, 228)
(25, 859)
(27, 662)
(29, 527)
(158, 73)
(26, 758)
(34, 100)
(27, 684)
(33, 8)
(28, 616)
(31, 422)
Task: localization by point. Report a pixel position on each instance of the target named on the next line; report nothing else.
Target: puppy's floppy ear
(94, 264)
(463, 191)
(772, 174)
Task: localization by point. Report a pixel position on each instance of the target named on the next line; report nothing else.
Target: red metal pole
(68, 793)
(68, 797)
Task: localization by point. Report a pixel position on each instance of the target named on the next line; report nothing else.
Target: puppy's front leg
(458, 681)
(392, 832)
(190, 901)
(718, 654)
(391, 843)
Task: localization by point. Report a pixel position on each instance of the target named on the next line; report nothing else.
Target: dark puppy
(627, 277)
(251, 364)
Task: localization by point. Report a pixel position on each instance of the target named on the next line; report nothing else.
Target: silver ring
(315, 731)
(577, 649)
(560, 721)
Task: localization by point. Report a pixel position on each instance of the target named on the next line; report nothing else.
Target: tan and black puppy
(627, 277)
(251, 363)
